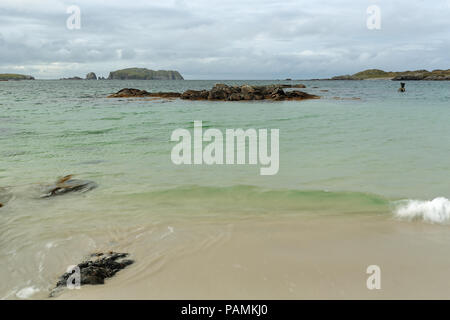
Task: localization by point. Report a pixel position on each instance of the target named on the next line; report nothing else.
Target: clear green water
(336, 157)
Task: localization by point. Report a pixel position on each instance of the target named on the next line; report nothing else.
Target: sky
(227, 39)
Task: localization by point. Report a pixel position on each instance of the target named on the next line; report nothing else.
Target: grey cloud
(223, 39)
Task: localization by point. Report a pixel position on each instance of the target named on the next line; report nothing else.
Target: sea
(363, 180)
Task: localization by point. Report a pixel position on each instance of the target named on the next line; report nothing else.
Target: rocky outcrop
(223, 92)
(14, 76)
(67, 184)
(91, 76)
(94, 270)
(136, 93)
(144, 74)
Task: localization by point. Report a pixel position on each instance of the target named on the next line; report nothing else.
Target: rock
(66, 185)
(91, 76)
(195, 95)
(129, 92)
(298, 85)
(246, 89)
(97, 268)
(219, 92)
(246, 92)
(136, 93)
(223, 92)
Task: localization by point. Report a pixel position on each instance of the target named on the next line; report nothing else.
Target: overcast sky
(226, 39)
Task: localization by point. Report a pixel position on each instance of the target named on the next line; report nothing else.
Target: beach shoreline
(290, 258)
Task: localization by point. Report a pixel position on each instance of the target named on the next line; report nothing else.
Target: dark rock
(298, 85)
(136, 93)
(91, 76)
(195, 95)
(66, 185)
(129, 92)
(223, 92)
(97, 268)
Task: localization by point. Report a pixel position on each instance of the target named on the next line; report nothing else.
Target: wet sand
(289, 257)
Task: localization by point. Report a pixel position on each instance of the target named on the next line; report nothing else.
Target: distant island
(14, 76)
(435, 75)
(144, 74)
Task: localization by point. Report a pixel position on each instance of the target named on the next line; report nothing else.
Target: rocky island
(223, 92)
(14, 77)
(435, 75)
(72, 78)
(144, 74)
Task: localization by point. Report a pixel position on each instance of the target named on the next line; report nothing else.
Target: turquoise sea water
(390, 144)
(337, 156)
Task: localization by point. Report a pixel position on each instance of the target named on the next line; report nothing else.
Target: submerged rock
(5, 196)
(66, 185)
(297, 85)
(96, 269)
(223, 92)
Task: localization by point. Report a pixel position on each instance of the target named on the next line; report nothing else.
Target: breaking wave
(434, 211)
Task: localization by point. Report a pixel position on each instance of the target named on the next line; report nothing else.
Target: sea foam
(27, 292)
(434, 211)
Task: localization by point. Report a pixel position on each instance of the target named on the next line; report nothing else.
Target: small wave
(245, 198)
(434, 211)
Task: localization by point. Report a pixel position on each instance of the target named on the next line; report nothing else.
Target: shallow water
(339, 159)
